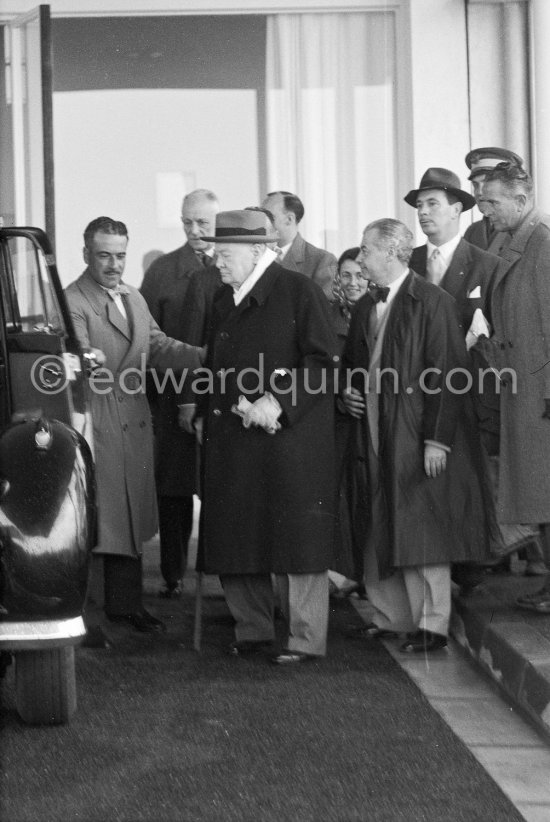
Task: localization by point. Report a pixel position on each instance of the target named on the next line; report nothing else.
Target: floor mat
(164, 734)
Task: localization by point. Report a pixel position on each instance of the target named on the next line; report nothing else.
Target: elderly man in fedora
(267, 422)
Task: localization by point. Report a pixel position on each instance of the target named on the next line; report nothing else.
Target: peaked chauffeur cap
(481, 160)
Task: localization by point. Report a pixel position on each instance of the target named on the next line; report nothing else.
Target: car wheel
(45, 686)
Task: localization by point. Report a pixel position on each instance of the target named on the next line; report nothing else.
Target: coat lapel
(115, 318)
(516, 247)
(102, 304)
(296, 253)
(454, 279)
(419, 260)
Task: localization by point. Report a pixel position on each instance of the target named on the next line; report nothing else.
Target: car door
(40, 363)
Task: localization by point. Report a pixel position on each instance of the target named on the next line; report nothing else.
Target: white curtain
(331, 115)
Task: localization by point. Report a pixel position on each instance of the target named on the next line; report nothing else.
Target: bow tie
(117, 290)
(378, 293)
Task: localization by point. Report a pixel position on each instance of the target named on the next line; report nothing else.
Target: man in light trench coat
(425, 493)
(113, 319)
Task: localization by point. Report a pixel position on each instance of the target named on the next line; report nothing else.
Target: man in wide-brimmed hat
(480, 161)
(465, 272)
(268, 434)
(447, 259)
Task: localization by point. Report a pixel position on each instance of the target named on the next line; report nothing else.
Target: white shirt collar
(446, 250)
(394, 288)
(117, 299)
(264, 262)
(396, 285)
(284, 249)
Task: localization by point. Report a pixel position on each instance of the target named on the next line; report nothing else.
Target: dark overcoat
(426, 520)
(521, 340)
(470, 267)
(268, 499)
(179, 291)
(122, 430)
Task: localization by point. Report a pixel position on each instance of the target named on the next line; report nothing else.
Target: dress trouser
(123, 584)
(114, 587)
(175, 526)
(415, 597)
(303, 601)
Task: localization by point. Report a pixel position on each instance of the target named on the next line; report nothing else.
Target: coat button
(224, 335)
(510, 344)
(120, 398)
(217, 412)
(125, 426)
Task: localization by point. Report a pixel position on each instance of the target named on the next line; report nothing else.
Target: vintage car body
(47, 500)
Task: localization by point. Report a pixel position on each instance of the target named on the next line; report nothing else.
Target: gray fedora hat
(445, 180)
(242, 227)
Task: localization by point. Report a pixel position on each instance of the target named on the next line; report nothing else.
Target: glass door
(28, 76)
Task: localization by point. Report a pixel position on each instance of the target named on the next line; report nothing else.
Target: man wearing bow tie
(425, 499)
(114, 318)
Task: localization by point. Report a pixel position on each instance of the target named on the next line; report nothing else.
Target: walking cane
(197, 630)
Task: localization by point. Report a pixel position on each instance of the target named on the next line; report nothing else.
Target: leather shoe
(170, 592)
(370, 631)
(248, 647)
(142, 621)
(291, 658)
(423, 642)
(535, 569)
(539, 601)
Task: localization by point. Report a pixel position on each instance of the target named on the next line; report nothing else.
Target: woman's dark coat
(426, 520)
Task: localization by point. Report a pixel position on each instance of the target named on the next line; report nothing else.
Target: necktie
(435, 267)
(205, 258)
(116, 295)
(378, 293)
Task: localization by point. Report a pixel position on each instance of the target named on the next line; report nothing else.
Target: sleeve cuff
(438, 445)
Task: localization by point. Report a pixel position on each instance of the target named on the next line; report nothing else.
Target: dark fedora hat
(481, 160)
(242, 227)
(445, 180)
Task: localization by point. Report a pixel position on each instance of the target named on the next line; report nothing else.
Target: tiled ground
(509, 748)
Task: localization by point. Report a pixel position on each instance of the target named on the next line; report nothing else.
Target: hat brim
(243, 238)
(482, 170)
(466, 199)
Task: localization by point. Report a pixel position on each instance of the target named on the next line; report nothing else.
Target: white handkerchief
(475, 293)
(478, 328)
